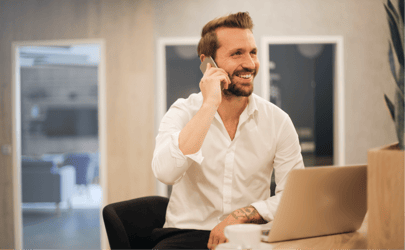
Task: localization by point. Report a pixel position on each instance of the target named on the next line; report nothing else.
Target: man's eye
(253, 52)
(237, 53)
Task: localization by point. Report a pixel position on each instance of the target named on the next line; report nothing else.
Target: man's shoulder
(194, 101)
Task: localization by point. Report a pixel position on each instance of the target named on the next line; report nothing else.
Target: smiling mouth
(244, 74)
(247, 76)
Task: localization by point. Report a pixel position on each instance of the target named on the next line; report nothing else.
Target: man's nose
(248, 62)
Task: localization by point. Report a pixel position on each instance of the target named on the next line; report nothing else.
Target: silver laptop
(320, 201)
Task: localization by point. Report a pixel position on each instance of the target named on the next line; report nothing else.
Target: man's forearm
(193, 134)
(248, 215)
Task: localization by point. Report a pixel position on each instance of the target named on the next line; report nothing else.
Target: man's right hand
(211, 87)
(193, 134)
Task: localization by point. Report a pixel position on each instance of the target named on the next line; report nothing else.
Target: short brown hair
(208, 44)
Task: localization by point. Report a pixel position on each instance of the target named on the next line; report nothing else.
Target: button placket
(242, 120)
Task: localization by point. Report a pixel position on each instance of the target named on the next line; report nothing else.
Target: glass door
(60, 160)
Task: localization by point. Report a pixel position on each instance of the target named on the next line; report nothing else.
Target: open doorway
(59, 112)
(304, 77)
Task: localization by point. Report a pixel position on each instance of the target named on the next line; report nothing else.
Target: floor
(44, 227)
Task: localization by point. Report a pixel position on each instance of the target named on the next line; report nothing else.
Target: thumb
(207, 67)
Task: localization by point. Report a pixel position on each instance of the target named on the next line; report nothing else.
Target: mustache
(253, 71)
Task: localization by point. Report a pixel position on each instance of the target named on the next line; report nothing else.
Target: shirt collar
(249, 110)
(251, 107)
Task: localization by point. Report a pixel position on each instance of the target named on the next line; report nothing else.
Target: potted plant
(396, 24)
(385, 185)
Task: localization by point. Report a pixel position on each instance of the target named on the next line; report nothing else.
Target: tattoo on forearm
(249, 213)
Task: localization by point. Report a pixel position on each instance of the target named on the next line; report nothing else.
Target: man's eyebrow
(236, 49)
(241, 49)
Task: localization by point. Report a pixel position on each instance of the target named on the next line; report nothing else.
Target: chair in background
(57, 159)
(129, 224)
(41, 181)
(93, 170)
(81, 163)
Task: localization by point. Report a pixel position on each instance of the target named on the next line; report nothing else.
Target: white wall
(363, 25)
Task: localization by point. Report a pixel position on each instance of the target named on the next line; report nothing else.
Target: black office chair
(129, 224)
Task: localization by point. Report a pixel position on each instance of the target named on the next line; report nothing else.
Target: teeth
(245, 76)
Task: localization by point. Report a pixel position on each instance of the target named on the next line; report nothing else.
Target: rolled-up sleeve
(287, 157)
(169, 164)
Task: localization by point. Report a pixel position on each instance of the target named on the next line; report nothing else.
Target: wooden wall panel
(127, 28)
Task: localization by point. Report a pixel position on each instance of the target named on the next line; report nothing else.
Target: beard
(236, 90)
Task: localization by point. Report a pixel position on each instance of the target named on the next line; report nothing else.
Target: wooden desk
(354, 240)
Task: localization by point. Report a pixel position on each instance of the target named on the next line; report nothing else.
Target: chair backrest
(81, 163)
(38, 182)
(129, 224)
(36, 166)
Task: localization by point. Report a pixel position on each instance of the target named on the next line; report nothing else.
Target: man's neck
(232, 107)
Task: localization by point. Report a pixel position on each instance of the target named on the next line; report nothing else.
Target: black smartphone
(203, 65)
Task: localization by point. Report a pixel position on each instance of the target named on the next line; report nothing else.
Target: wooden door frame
(16, 129)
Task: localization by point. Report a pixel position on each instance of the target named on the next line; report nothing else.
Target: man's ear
(202, 57)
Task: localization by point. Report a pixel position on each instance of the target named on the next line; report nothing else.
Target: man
(218, 148)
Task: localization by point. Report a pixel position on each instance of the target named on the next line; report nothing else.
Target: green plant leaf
(401, 9)
(395, 36)
(392, 63)
(392, 8)
(400, 81)
(390, 106)
(399, 117)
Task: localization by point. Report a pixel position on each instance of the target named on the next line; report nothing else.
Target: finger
(220, 74)
(222, 240)
(227, 76)
(224, 83)
(215, 242)
(210, 241)
(214, 70)
(228, 82)
(207, 68)
(210, 70)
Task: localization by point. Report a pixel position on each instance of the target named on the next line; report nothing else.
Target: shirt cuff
(262, 209)
(180, 157)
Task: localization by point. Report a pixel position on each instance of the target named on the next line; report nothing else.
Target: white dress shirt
(225, 175)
